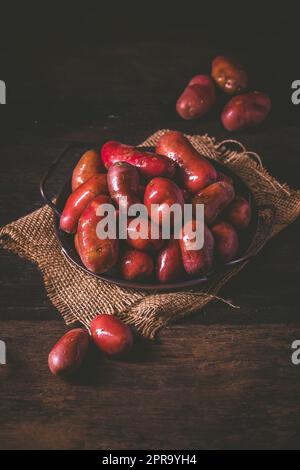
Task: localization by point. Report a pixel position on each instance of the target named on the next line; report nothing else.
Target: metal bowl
(246, 249)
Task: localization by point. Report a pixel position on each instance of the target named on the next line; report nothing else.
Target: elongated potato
(149, 164)
(67, 355)
(169, 266)
(79, 199)
(89, 165)
(215, 198)
(140, 243)
(196, 261)
(229, 75)
(98, 255)
(123, 184)
(164, 193)
(196, 171)
(197, 98)
(239, 213)
(136, 265)
(245, 111)
(226, 241)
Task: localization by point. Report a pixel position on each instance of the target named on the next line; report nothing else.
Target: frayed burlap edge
(79, 296)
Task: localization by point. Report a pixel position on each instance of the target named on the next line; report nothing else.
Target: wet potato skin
(89, 164)
(97, 255)
(111, 335)
(136, 265)
(140, 243)
(239, 213)
(148, 164)
(196, 171)
(79, 199)
(215, 198)
(123, 181)
(197, 98)
(229, 75)
(245, 111)
(226, 241)
(196, 261)
(165, 193)
(68, 353)
(169, 265)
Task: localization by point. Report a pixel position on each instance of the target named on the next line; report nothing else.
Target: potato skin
(169, 265)
(76, 244)
(149, 164)
(245, 111)
(79, 199)
(68, 353)
(136, 265)
(143, 244)
(165, 193)
(123, 181)
(196, 171)
(197, 98)
(226, 241)
(239, 213)
(196, 261)
(88, 165)
(215, 198)
(229, 75)
(97, 255)
(111, 335)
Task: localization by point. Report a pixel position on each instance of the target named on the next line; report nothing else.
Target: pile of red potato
(175, 174)
(242, 111)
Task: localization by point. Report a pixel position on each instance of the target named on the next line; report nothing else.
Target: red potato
(239, 213)
(89, 164)
(149, 164)
(215, 198)
(196, 171)
(196, 261)
(76, 244)
(123, 184)
(226, 241)
(245, 111)
(140, 243)
(197, 98)
(229, 75)
(163, 192)
(111, 335)
(136, 265)
(169, 265)
(79, 199)
(223, 177)
(98, 255)
(68, 353)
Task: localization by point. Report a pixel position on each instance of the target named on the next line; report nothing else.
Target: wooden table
(221, 379)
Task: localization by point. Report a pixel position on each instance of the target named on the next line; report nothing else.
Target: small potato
(68, 353)
(226, 241)
(123, 184)
(197, 98)
(169, 265)
(229, 75)
(98, 255)
(196, 261)
(136, 265)
(79, 199)
(89, 164)
(111, 335)
(245, 111)
(215, 198)
(239, 213)
(149, 164)
(164, 193)
(196, 171)
(144, 244)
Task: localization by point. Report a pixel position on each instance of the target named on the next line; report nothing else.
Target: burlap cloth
(80, 296)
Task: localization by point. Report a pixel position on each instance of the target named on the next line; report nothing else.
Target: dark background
(217, 380)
